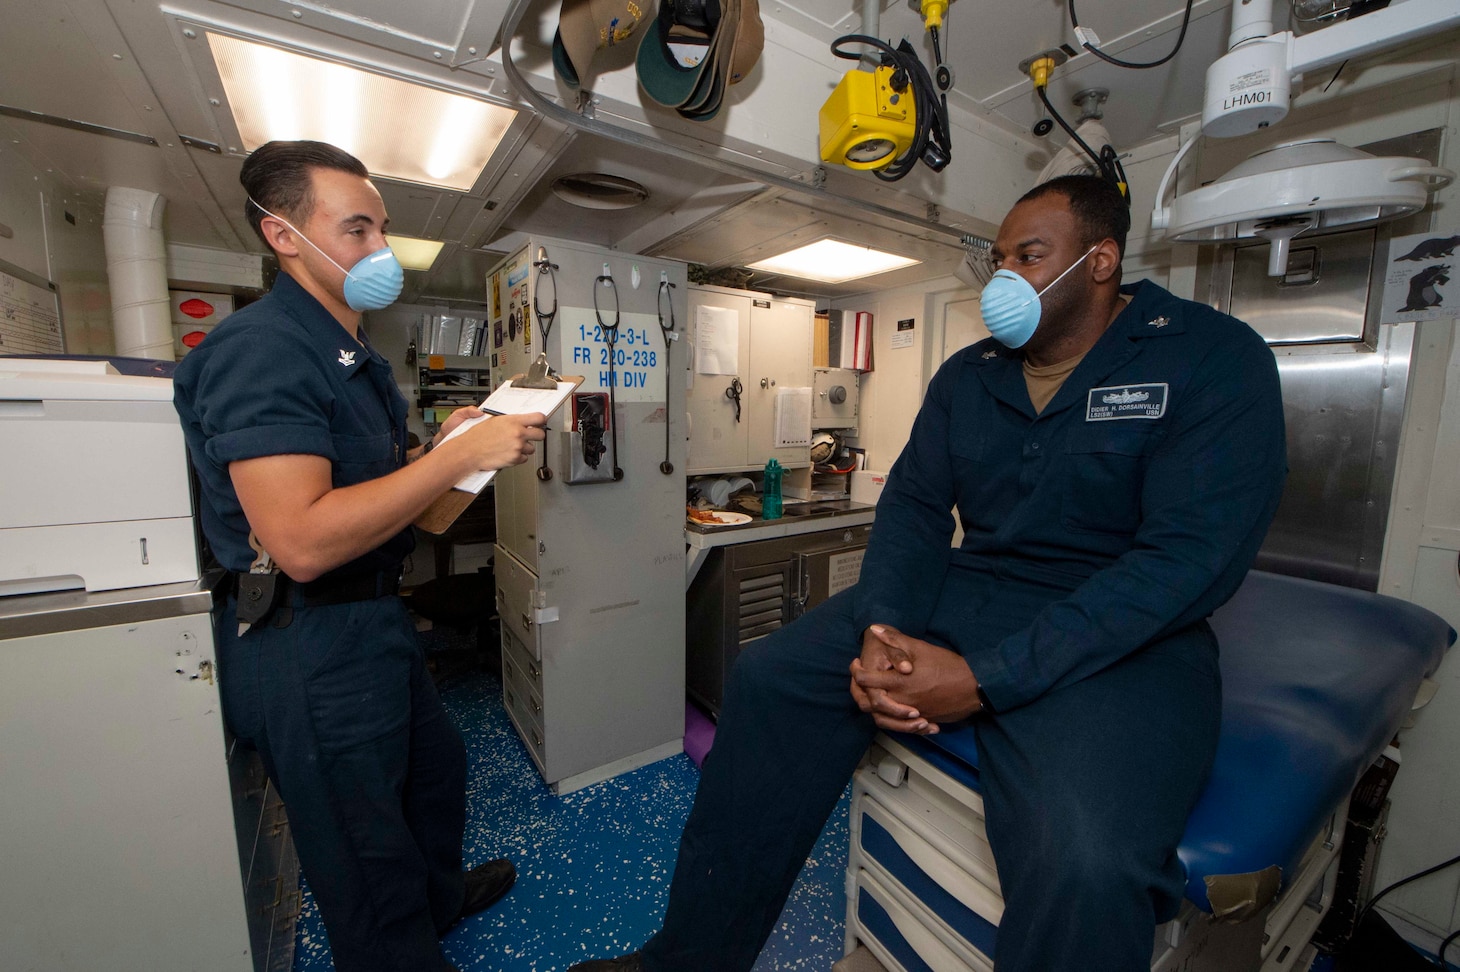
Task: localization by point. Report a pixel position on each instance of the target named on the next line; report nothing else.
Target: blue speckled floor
(593, 866)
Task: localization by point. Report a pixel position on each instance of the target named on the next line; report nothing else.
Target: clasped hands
(910, 685)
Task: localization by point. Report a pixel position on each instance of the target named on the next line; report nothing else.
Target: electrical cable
(1401, 883)
(666, 467)
(932, 142)
(1139, 65)
(1445, 945)
(1107, 161)
(610, 335)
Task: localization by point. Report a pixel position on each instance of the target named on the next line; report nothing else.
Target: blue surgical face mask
(1010, 305)
(372, 284)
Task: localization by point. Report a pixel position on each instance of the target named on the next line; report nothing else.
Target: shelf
(424, 361)
(456, 388)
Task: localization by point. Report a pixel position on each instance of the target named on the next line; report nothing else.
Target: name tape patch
(1126, 402)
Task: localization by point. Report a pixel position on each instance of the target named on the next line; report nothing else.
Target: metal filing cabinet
(773, 341)
(120, 850)
(590, 568)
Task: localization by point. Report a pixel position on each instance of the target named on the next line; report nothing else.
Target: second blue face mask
(1010, 305)
(372, 284)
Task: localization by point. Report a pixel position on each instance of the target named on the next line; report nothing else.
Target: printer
(96, 492)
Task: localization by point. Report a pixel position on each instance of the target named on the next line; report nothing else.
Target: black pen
(493, 411)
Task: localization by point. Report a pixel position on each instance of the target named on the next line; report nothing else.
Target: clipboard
(535, 391)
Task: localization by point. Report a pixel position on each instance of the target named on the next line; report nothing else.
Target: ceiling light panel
(400, 130)
(414, 253)
(832, 261)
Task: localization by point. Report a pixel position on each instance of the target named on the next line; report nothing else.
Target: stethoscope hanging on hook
(610, 335)
(545, 318)
(668, 333)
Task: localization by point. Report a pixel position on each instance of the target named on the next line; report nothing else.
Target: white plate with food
(714, 518)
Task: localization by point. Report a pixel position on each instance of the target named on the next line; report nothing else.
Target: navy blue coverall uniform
(338, 701)
(1098, 537)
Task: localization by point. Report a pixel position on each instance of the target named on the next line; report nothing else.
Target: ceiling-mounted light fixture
(598, 190)
(1297, 187)
(832, 261)
(399, 129)
(414, 253)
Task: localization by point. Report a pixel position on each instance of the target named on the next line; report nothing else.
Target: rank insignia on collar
(990, 354)
(347, 358)
(1159, 322)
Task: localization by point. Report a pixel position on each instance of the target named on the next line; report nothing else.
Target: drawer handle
(536, 739)
(532, 670)
(527, 622)
(535, 707)
(511, 699)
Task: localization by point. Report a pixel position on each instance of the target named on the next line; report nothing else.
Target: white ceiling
(126, 65)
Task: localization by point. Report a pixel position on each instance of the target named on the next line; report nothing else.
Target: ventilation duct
(136, 269)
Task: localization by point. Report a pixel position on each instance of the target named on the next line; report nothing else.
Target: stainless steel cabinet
(773, 338)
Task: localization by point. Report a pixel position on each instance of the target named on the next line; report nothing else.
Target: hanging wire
(610, 335)
(665, 288)
(1401, 883)
(1107, 161)
(1140, 65)
(932, 142)
(1449, 939)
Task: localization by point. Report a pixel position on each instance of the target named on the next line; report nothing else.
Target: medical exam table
(1316, 680)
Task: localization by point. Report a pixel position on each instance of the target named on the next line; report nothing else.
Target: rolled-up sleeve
(250, 403)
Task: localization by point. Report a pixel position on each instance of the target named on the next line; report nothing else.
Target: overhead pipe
(513, 19)
(136, 269)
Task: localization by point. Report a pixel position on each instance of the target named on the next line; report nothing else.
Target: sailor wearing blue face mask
(298, 435)
(1010, 305)
(1113, 456)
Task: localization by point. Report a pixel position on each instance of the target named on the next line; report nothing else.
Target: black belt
(343, 590)
(335, 590)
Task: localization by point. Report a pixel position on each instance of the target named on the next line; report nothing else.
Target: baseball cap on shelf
(588, 26)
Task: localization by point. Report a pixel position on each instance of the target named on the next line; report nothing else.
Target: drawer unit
(517, 602)
(896, 930)
(920, 860)
(923, 893)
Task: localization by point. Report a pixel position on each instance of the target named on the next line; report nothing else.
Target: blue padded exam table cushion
(1316, 679)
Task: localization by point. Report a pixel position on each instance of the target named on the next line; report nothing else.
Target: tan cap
(588, 26)
(749, 41)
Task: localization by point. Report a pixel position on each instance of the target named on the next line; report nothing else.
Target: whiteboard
(30, 314)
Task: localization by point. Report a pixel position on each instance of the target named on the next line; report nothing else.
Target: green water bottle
(770, 503)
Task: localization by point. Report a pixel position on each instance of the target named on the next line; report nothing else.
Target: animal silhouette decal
(1432, 248)
(1423, 288)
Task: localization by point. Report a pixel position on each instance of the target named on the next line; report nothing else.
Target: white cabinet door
(780, 357)
(717, 436)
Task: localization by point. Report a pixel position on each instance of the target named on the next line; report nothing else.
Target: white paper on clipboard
(509, 400)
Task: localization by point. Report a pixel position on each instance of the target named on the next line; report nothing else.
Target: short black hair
(1097, 205)
(277, 176)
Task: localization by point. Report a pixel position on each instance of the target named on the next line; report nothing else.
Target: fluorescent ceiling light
(414, 253)
(398, 129)
(832, 261)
